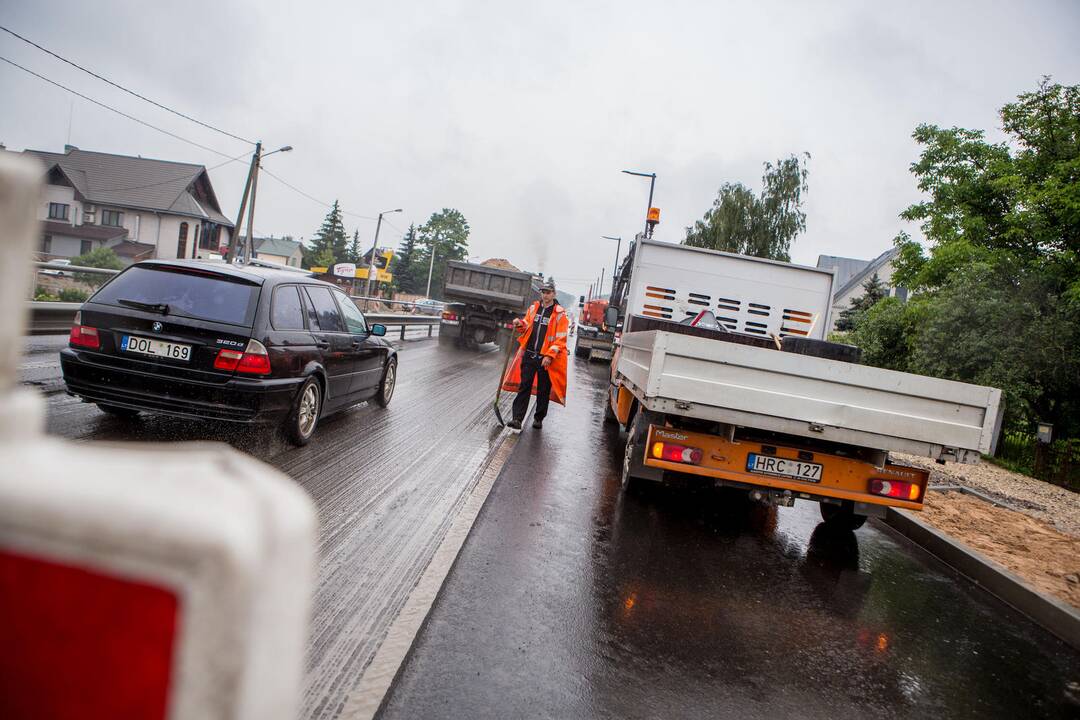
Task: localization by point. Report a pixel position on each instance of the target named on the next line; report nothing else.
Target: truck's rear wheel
(609, 414)
(634, 469)
(841, 516)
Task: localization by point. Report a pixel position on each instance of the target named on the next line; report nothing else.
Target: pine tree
(330, 239)
(405, 265)
(354, 253)
(873, 290)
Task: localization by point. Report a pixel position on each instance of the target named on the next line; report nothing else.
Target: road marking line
(371, 690)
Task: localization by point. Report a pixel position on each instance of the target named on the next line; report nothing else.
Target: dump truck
(594, 337)
(722, 375)
(482, 301)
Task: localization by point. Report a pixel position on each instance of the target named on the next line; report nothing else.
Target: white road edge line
(364, 701)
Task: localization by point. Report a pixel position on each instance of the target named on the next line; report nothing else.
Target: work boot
(537, 423)
(514, 425)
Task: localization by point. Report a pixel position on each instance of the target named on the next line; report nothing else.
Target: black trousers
(530, 368)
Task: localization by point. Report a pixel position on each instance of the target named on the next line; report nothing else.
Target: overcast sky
(521, 115)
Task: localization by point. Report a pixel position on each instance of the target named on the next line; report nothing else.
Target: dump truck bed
(490, 287)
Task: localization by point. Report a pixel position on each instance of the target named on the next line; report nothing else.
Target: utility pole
(249, 243)
(374, 244)
(652, 185)
(615, 272)
(431, 268)
(231, 255)
(252, 184)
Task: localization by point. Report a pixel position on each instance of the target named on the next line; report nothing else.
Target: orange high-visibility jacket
(554, 347)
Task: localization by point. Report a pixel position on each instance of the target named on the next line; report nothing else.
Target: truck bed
(487, 286)
(810, 397)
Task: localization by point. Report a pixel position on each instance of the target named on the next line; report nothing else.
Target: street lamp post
(615, 272)
(652, 185)
(374, 244)
(247, 250)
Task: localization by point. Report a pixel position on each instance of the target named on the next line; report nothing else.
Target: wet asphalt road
(387, 485)
(572, 600)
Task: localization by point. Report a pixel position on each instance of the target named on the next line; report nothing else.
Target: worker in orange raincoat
(539, 368)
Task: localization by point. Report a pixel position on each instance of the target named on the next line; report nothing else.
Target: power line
(312, 198)
(118, 112)
(121, 87)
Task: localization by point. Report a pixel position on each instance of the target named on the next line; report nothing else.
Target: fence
(1057, 462)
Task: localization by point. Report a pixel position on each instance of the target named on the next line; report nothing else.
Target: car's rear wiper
(149, 307)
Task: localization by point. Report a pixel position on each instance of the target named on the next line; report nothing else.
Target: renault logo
(157, 326)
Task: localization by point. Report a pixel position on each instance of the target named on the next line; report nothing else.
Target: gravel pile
(1055, 505)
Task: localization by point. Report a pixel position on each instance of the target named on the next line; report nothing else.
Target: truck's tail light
(253, 361)
(449, 316)
(83, 335)
(895, 489)
(676, 453)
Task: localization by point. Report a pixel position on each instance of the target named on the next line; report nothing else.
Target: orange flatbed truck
(721, 375)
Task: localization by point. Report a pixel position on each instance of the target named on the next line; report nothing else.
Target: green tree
(405, 266)
(331, 237)
(355, 253)
(98, 258)
(323, 258)
(762, 225)
(998, 290)
(873, 290)
(447, 234)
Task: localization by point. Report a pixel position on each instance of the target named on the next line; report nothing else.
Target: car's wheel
(118, 412)
(305, 415)
(386, 387)
(841, 516)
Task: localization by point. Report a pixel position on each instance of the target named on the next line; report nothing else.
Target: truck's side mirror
(581, 301)
(611, 316)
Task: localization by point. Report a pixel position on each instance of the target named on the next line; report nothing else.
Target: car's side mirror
(611, 316)
(378, 330)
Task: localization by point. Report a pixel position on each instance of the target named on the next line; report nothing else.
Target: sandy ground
(1038, 538)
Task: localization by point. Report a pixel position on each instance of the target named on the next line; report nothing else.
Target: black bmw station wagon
(240, 343)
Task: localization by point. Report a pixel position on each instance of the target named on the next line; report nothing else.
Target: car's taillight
(449, 316)
(253, 361)
(227, 360)
(676, 453)
(256, 360)
(83, 335)
(895, 489)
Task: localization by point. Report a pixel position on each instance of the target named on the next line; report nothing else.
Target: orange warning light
(653, 217)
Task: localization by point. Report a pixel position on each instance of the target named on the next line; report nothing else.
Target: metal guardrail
(55, 318)
(66, 269)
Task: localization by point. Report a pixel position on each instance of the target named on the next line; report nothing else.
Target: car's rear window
(191, 293)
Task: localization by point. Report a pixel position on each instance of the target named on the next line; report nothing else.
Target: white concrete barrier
(139, 581)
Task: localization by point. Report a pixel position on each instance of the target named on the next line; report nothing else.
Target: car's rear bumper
(245, 400)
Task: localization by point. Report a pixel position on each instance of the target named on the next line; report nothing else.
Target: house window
(112, 218)
(46, 244)
(86, 246)
(181, 247)
(58, 211)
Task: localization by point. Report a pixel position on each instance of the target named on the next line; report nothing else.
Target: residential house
(283, 251)
(141, 208)
(851, 274)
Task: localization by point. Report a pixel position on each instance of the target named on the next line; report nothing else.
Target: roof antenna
(71, 113)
